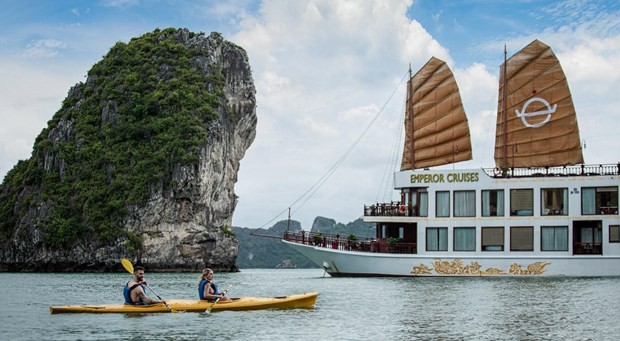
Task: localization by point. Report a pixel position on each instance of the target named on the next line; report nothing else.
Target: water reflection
(509, 308)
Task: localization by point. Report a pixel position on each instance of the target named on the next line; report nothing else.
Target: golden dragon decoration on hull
(457, 267)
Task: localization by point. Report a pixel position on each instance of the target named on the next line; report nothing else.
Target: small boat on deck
(306, 300)
(539, 212)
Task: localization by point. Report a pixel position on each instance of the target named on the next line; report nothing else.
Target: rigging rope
(317, 185)
(386, 183)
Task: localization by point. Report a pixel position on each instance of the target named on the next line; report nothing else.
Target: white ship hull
(368, 264)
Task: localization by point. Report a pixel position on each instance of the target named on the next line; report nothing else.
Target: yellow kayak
(307, 300)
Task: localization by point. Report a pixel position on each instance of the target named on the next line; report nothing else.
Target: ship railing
(591, 248)
(577, 170)
(390, 209)
(340, 242)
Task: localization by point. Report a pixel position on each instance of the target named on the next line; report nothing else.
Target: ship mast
(504, 116)
(410, 114)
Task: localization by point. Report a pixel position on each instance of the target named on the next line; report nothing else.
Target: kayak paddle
(217, 299)
(129, 267)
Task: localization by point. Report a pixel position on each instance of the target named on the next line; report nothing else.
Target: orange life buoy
(402, 209)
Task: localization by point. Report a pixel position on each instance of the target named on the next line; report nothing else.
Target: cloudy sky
(329, 76)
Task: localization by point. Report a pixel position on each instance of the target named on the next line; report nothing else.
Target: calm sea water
(347, 308)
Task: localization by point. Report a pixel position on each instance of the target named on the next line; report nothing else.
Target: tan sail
(437, 132)
(540, 127)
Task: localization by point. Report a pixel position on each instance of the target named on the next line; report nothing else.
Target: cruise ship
(541, 211)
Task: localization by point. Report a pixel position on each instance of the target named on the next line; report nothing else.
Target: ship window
(522, 238)
(464, 203)
(464, 239)
(587, 237)
(423, 204)
(590, 234)
(437, 239)
(554, 201)
(417, 200)
(492, 239)
(493, 203)
(599, 200)
(554, 238)
(443, 204)
(521, 202)
(614, 233)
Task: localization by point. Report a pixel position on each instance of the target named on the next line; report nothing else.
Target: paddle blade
(127, 265)
(208, 311)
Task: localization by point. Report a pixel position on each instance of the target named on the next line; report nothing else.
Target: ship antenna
(288, 222)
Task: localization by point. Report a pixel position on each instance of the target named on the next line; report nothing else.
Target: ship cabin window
(436, 239)
(415, 200)
(492, 239)
(493, 203)
(599, 200)
(521, 202)
(464, 239)
(554, 238)
(614, 233)
(554, 201)
(587, 237)
(464, 203)
(442, 204)
(521, 238)
(407, 233)
(423, 204)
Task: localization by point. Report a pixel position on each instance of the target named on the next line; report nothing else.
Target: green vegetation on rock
(116, 139)
(268, 253)
(357, 227)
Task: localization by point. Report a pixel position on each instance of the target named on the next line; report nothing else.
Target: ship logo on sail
(524, 115)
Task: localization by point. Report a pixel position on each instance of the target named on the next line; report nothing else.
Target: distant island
(258, 250)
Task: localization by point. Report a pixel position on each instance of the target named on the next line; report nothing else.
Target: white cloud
(218, 10)
(594, 61)
(358, 114)
(479, 91)
(319, 129)
(44, 48)
(119, 3)
(419, 46)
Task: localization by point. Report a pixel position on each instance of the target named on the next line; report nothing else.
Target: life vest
(127, 293)
(201, 289)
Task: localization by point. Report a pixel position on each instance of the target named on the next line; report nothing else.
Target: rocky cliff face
(184, 223)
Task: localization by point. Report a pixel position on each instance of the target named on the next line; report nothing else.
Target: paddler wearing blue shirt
(207, 290)
(134, 291)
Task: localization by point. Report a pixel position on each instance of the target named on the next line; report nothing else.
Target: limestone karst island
(139, 161)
